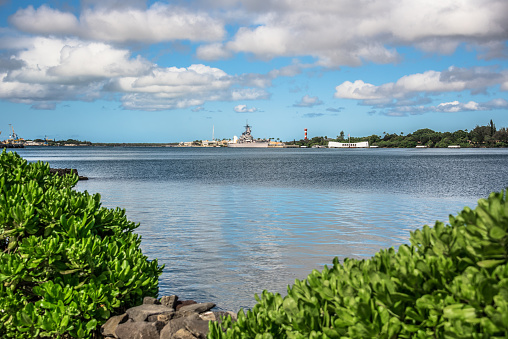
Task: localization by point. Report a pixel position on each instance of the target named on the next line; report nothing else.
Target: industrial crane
(13, 138)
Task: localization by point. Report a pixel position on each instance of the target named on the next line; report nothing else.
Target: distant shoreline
(177, 146)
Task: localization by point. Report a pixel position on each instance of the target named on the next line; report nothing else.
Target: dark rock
(208, 316)
(150, 301)
(192, 324)
(142, 312)
(195, 325)
(155, 320)
(172, 327)
(196, 308)
(165, 317)
(182, 303)
(137, 330)
(159, 325)
(169, 301)
(183, 334)
(109, 328)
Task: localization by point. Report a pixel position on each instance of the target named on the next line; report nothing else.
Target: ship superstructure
(247, 140)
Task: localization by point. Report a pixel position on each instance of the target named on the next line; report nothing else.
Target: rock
(183, 334)
(208, 316)
(196, 308)
(192, 323)
(137, 330)
(150, 301)
(172, 327)
(165, 318)
(109, 328)
(180, 304)
(169, 301)
(155, 320)
(195, 325)
(142, 312)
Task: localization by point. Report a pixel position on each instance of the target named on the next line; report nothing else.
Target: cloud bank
(160, 22)
(52, 54)
(410, 92)
(53, 70)
(335, 33)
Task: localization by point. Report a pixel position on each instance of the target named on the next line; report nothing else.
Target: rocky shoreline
(164, 318)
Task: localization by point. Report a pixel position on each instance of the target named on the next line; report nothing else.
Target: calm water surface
(228, 223)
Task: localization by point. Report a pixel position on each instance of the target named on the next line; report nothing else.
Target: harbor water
(229, 223)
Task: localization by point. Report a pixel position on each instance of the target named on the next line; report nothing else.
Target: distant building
(209, 143)
(335, 144)
(33, 143)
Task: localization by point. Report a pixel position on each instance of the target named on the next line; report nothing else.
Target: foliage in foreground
(452, 282)
(66, 263)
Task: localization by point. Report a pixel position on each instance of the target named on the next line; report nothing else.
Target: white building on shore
(335, 144)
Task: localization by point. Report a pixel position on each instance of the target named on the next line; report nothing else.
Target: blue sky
(170, 71)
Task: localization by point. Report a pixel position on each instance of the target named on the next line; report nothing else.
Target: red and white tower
(305, 133)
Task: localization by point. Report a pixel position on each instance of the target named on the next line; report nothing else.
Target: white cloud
(244, 109)
(159, 22)
(50, 70)
(452, 80)
(45, 20)
(351, 32)
(448, 107)
(335, 33)
(68, 61)
(411, 93)
(358, 90)
(308, 101)
(214, 51)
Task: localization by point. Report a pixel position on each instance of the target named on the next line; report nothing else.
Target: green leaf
(490, 263)
(497, 233)
(459, 311)
(91, 325)
(25, 319)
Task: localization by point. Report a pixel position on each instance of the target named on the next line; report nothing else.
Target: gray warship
(247, 140)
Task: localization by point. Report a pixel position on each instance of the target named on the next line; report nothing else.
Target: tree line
(480, 136)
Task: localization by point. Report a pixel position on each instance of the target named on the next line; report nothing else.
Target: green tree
(492, 128)
(341, 136)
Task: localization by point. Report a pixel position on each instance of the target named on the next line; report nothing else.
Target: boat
(247, 140)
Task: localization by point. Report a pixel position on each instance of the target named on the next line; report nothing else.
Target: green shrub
(66, 263)
(451, 283)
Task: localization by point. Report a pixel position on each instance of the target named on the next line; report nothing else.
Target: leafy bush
(452, 282)
(66, 263)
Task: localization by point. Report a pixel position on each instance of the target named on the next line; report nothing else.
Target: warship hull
(249, 145)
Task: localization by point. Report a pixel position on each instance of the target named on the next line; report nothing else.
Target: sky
(171, 71)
